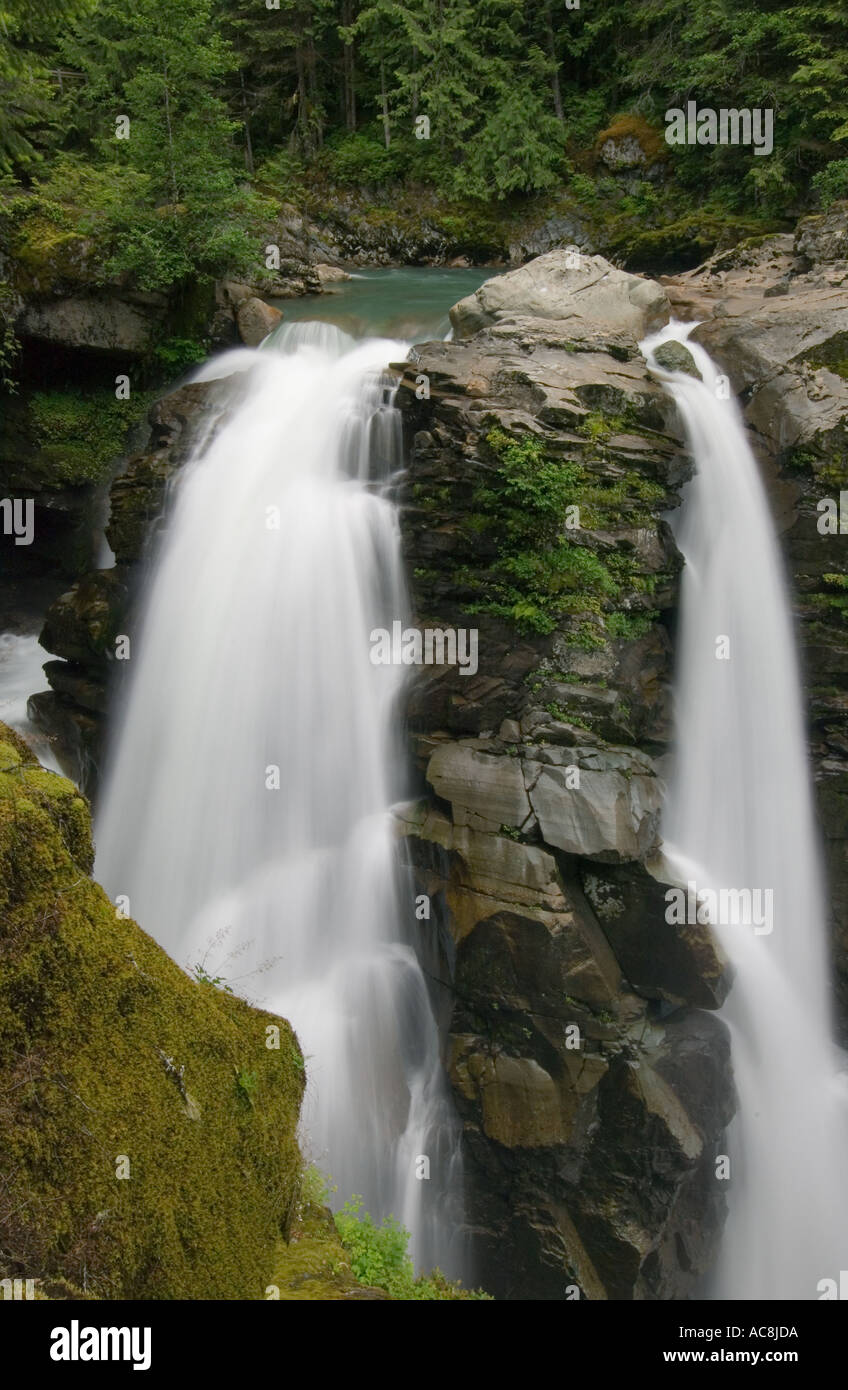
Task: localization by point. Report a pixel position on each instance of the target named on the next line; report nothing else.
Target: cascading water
(739, 816)
(246, 806)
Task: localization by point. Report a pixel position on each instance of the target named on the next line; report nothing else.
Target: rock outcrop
(147, 1129)
(590, 299)
(593, 1088)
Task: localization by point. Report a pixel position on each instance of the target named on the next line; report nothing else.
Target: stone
(589, 299)
(613, 814)
(331, 274)
(105, 323)
(674, 357)
(484, 789)
(256, 320)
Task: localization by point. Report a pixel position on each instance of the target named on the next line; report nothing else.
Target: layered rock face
(593, 1087)
(776, 320)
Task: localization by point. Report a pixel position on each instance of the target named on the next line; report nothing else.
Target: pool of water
(409, 302)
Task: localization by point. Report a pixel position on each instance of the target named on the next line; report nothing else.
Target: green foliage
(545, 571)
(379, 1259)
(628, 626)
(178, 354)
(246, 1084)
(80, 435)
(358, 160)
(831, 182)
(521, 148)
(9, 345)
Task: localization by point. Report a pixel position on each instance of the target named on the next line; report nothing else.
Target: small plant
(511, 832)
(379, 1258)
(246, 1084)
(628, 627)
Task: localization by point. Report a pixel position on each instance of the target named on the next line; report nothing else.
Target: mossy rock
(631, 142)
(116, 1061)
(312, 1264)
(48, 253)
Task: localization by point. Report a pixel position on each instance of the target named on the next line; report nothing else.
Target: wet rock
(256, 320)
(676, 358)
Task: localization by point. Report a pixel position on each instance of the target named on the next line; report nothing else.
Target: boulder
(674, 357)
(330, 274)
(256, 320)
(611, 814)
(824, 236)
(587, 295)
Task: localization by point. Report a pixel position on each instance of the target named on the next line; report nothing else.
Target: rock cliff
(593, 1087)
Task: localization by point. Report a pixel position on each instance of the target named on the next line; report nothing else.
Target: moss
(833, 355)
(79, 436)
(677, 241)
(538, 568)
(312, 1263)
(111, 1050)
(651, 141)
(47, 250)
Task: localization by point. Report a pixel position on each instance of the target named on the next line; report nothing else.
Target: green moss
(833, 355)
(46, 247)
(79, 436)
(546, 568)
(110, 1050)
(349, 1256)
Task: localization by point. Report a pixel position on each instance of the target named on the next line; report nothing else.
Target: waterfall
(246, 807)
(739, 816)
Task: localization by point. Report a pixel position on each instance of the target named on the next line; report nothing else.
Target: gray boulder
(587, 295)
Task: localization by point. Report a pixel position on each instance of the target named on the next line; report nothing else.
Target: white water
(254, 652)
(21, 674)
(740, 815)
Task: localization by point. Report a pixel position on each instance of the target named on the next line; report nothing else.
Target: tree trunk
(384, 100)
(301, 124)
(248, 143)
(348, 70)
(555, 87)
(316, 123)
(171, 164)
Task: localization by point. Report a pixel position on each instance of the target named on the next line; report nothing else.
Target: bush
(360, 159)
(831, 183)
(379, 1259)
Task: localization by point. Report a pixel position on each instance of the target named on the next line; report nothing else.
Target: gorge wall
(589, 1068)
(593, 1084)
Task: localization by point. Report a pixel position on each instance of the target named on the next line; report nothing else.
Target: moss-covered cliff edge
(147, 1130)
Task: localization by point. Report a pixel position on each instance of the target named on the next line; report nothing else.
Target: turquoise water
(411, 302)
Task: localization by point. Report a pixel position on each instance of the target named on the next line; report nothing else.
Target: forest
(171, 132)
